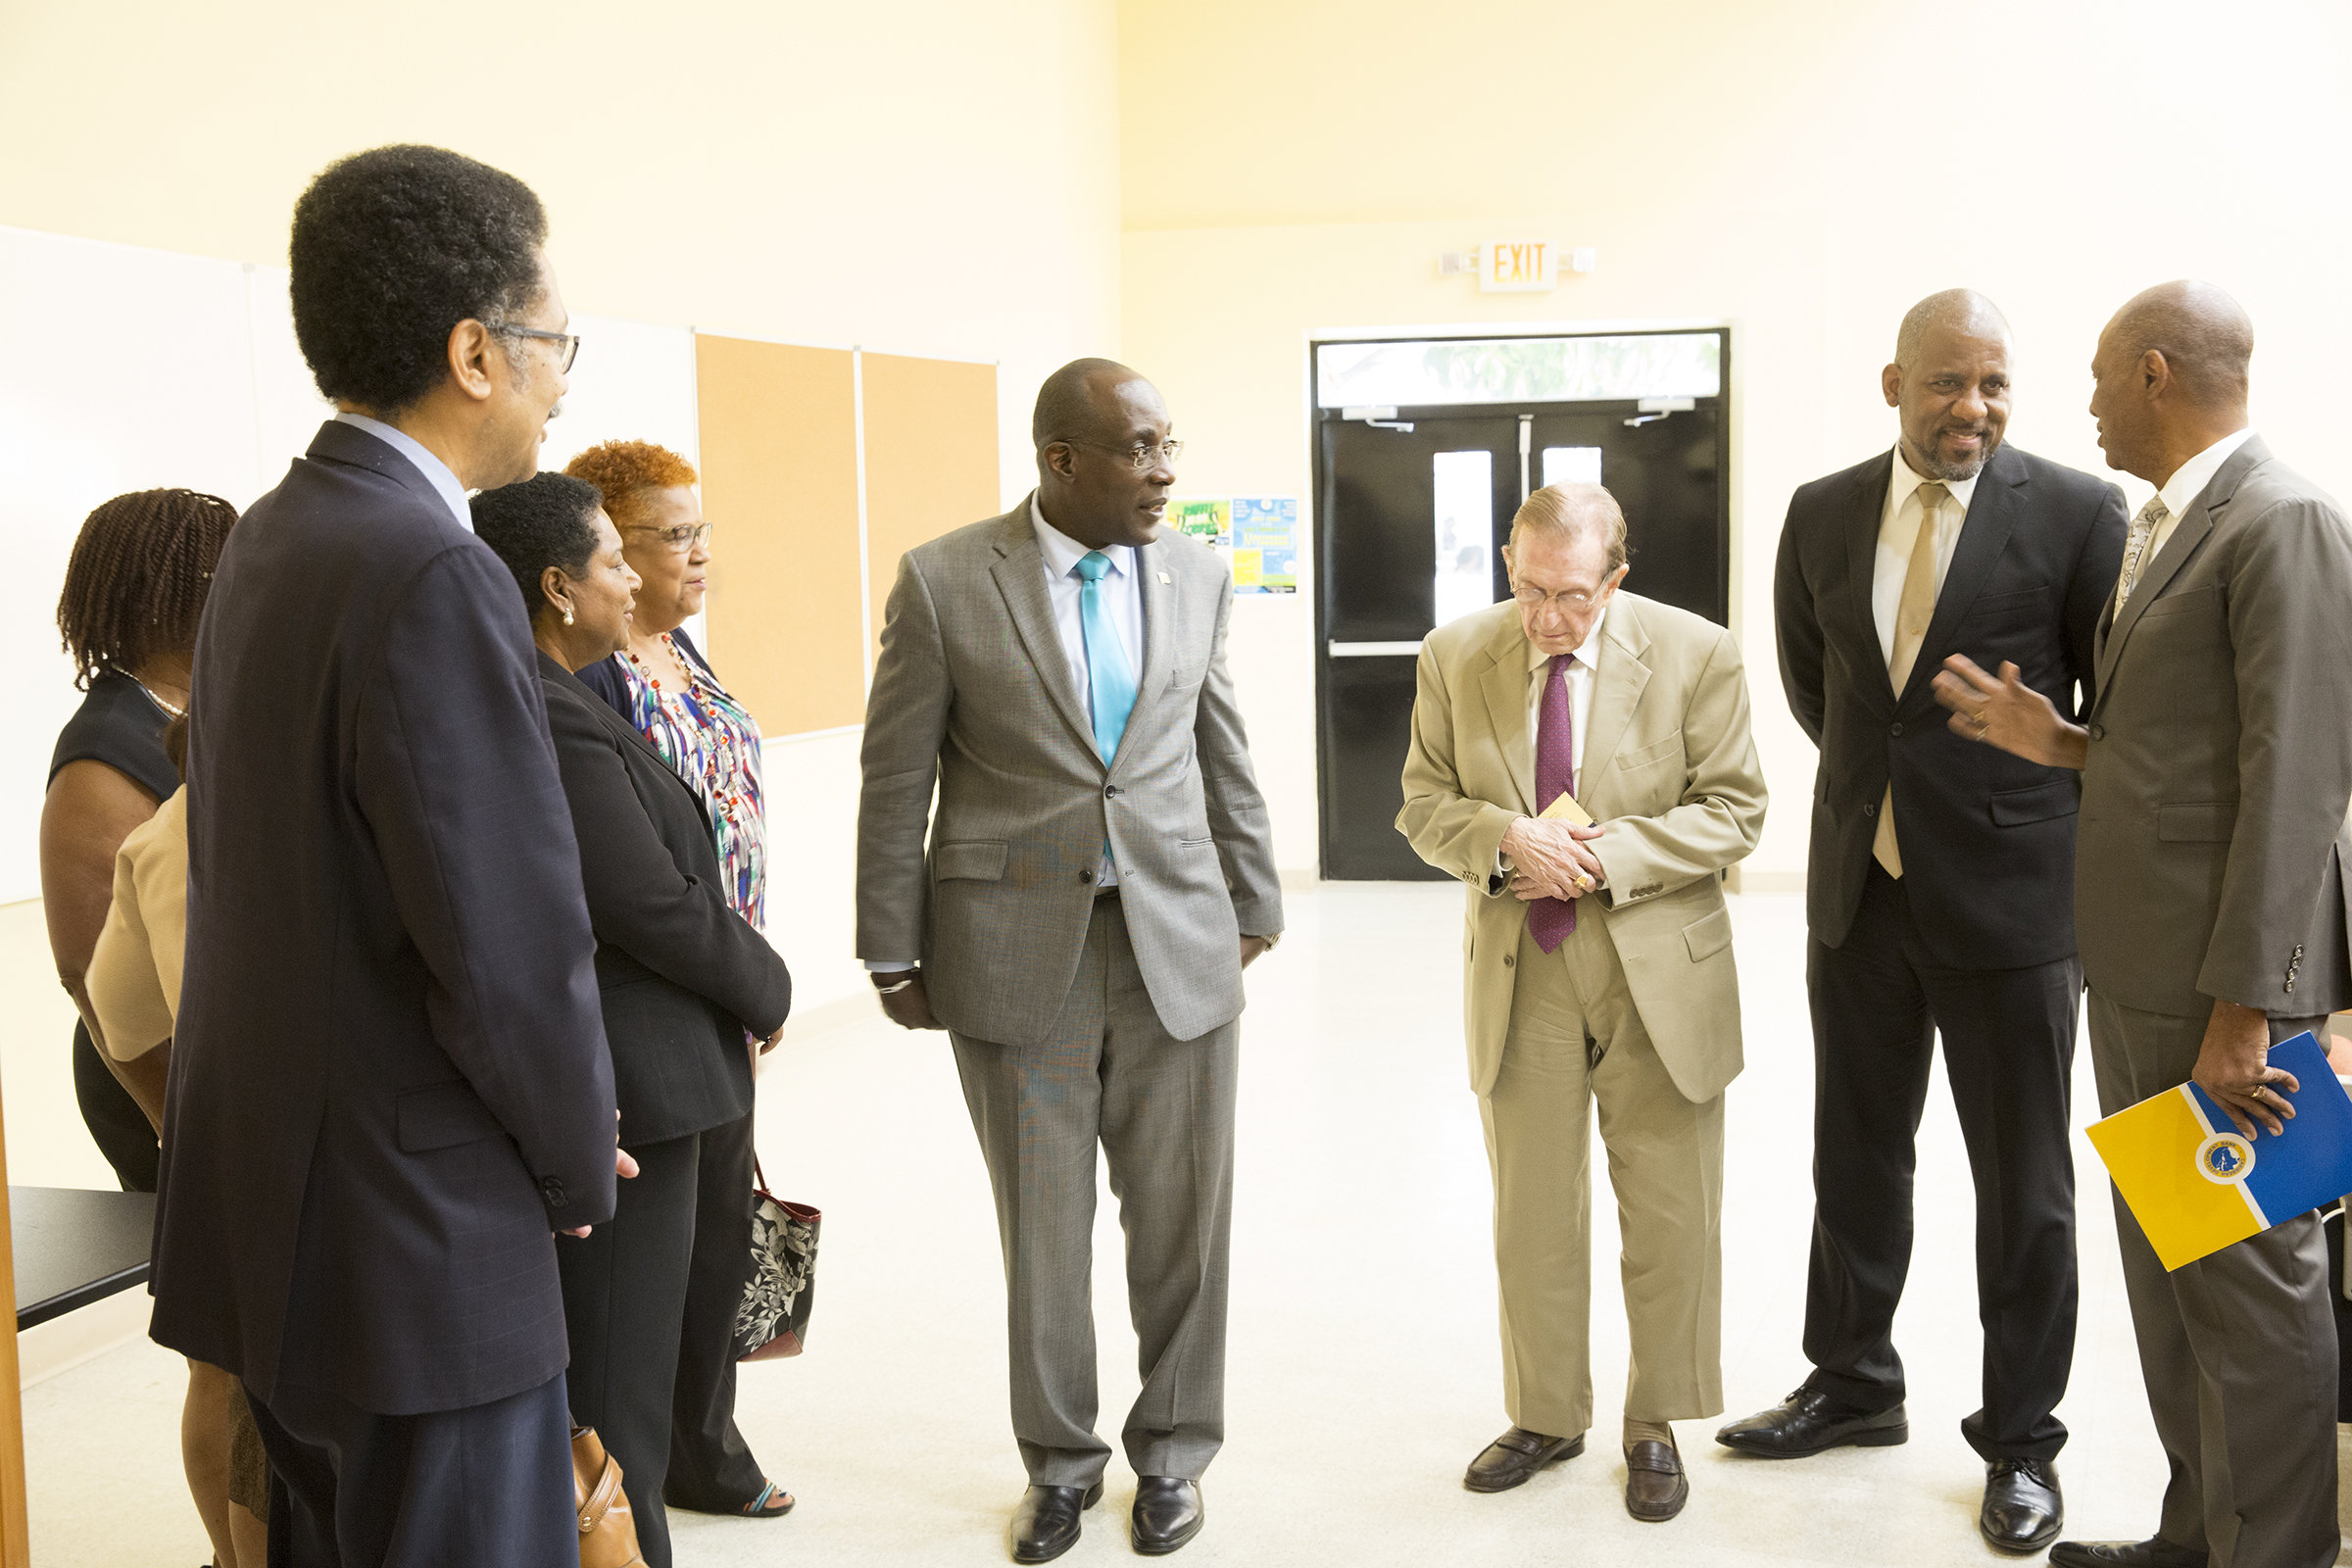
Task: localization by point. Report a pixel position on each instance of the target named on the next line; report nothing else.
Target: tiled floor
(1364, 1367)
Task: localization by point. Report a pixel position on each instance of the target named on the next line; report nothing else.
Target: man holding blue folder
(2210, 899)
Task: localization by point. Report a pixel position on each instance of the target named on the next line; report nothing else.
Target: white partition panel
(287, 409)
(120, 369)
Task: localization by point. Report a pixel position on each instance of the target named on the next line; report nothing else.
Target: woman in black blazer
(688, 986)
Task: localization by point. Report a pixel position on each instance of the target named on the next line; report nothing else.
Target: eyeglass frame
(680, 537)
(1568, 601)
(1140, 453)
(569, 340)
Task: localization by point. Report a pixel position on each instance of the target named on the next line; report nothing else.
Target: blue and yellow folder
(2197, 1186)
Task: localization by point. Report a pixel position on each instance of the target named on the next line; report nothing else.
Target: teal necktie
(1107, 670)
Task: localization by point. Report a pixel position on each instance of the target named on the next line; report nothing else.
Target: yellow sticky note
(1565, 809)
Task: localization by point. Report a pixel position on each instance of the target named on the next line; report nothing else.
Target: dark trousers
(711, 1467)
(1879, 1002)
(625, 1305)
(485, 1486)
(117, 1124)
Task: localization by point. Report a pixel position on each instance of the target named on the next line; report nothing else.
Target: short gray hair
(1572, 510)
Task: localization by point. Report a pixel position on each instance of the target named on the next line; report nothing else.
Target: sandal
(757, 1507)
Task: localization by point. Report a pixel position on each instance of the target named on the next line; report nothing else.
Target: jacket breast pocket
(971, 860)
(2187, 601)
(2039, 803)
(442, 1116)
(2018, 605)
(1184, 675)
(2197, 822)
(1669, 749)
(1705, 938)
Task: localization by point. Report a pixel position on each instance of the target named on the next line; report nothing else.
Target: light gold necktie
(1912, 613)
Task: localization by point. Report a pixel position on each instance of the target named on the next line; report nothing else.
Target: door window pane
(1465, 524)
(1571, 465)
(1520, 369)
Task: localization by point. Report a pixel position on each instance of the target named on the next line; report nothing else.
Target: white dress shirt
(436, 473)
(1122, 599)
(2188, 481)
(1898, 531)
(1582, 665)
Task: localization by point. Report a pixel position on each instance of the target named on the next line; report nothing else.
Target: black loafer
(2023, 1508)
(1046, 1524)
(1167, 1513)
(1655, 1486)
(1512, 1458)
(1810, 1421)
(2150, 1553)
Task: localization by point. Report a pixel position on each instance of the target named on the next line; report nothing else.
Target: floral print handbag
(773, 1319)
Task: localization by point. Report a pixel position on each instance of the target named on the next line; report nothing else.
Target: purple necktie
(1552, 919)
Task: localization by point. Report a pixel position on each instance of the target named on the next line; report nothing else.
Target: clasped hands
(1549, 859)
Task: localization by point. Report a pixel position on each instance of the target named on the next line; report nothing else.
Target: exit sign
(1519, 267)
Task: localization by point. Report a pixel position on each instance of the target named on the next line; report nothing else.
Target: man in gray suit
(2210, 898)
(1100, 874)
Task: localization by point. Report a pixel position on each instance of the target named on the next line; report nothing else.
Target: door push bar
(1656, 409)
(1378, 415)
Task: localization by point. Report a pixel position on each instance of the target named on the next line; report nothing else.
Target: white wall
(1803, 171)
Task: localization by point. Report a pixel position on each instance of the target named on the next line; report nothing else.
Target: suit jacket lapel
(1616, 688)
(1868, 516)
(1020, 577)
(2187, 534)
(1505, 686)
(1984, 535)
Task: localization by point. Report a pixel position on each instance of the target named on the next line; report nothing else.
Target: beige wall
(928, 178)
(1803, 170)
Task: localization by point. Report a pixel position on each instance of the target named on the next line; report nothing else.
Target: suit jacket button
(1086, 876)
(551, 1189)
(1895, 730)
(1871, 809)
(2098, 732)
(1508, 960)
(1111, 792)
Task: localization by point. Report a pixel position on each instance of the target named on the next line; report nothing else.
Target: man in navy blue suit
(390, 1082)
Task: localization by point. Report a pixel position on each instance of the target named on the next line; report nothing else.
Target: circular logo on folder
(2224, 1158)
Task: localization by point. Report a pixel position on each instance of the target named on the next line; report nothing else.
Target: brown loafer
(1512, 1458)
(1655, 1488)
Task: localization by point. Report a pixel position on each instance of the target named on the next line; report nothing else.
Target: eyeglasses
(1140, 455)
(679, 536)
(1573, 601)
(571, 341)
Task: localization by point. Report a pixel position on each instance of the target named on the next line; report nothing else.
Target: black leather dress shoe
(2023, 1510)
(1511, 1459)
(1809, 1422)
(1655, 1487)
(1167, 1513)
(2151, 1553)
(1046, 1524)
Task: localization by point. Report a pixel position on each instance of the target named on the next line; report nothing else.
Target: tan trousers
(1576, 1037)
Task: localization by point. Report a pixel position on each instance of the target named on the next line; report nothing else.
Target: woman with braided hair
(134, 588)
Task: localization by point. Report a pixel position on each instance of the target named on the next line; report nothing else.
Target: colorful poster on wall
(1209, 521)
(1265, 544)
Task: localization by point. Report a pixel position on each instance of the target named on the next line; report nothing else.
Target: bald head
(1078, 401)
(2206, 339)
(1963, 311)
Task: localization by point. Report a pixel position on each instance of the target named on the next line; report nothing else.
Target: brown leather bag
(607, 1528)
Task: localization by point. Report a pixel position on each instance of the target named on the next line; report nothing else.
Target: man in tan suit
(1599, 964)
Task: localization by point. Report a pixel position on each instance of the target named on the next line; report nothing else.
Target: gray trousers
(2237, 1348)
(1163, 1110)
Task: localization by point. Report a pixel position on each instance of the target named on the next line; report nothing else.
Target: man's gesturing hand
(2234, 1067)
(1552, 858)
(2008, 713)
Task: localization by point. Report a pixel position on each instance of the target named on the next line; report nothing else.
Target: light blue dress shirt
(436, 473)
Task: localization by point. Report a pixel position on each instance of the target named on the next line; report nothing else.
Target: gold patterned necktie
(2139, 546)
(1912, 614)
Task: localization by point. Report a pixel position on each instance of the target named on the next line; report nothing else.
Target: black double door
(1409, 518)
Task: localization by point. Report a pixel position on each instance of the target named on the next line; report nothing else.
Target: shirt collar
(436, 473)
(2190, 480)
(1588, 653)
(1063, 553)
(1907, 479)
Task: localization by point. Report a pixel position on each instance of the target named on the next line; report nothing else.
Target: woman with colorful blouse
(664, 687)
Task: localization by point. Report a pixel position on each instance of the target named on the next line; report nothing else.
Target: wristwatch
(897, 980)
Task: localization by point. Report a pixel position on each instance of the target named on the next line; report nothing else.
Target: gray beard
(1955, 472)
